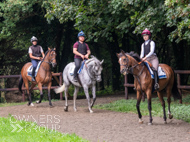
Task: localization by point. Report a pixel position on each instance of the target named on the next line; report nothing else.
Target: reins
(131, 71)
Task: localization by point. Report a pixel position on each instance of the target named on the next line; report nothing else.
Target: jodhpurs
(77, 65)
(154, 61)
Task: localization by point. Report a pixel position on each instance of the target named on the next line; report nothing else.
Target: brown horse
(131, 63)
(44, 76)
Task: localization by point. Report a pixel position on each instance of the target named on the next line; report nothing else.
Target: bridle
(130, 69)
(51, 61)
(93, 77)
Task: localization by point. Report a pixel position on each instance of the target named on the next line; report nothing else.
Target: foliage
(178, 17)
(31, 132)
(179, 111)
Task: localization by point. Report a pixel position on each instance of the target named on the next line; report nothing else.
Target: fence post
(126, 89)
(178, 86)
(60, 83)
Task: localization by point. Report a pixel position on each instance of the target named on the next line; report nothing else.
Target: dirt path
(101, 125)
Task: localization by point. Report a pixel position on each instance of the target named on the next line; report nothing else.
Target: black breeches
(77, 65)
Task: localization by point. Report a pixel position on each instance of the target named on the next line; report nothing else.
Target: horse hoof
(75, 110)
(31, 104)
(149, 123)
(165, 122)
(66, 108)
(140, 121)
(51, 106)
(38, 102)
(91, 111)
(170, 116)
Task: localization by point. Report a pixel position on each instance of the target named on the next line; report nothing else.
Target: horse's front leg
(75, 97)
(93, 94)
(41, 93)
(88, 98)
(139, 96)
(149, 106)
(29, 93)
(49, 95)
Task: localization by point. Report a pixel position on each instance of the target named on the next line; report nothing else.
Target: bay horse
(143, 83)
(90, 74)
(44, 76)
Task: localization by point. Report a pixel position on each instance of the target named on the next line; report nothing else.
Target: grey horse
(90, 73)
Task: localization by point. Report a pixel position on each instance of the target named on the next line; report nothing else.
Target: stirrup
(33, 79)
(75, 79)
(156, 86)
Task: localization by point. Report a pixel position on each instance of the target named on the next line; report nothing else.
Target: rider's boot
(75, 79)
(156, 85)
(33, 74)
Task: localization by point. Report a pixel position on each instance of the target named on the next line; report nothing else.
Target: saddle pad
(29, 71)
(79, 71)
(161, 73)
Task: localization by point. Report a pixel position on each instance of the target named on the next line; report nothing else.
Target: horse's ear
(102, 61)
(117, 54)
(54, 49)
(49, 48)
(123, 53)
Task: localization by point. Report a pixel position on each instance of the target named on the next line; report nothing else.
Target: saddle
(29, 71)
(161, 73)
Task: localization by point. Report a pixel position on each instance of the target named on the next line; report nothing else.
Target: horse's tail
(175, 90)
(60, 89)
(20, 83)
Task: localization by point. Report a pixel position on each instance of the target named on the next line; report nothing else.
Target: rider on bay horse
(81, 51)
(35, 51)
(148, 53)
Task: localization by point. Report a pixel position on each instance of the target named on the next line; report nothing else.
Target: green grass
(31, 132)
(179, 111)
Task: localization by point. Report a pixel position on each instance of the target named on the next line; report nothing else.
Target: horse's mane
(132, 54)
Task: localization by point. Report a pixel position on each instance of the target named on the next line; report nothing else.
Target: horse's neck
(45, 64)
(139, 69)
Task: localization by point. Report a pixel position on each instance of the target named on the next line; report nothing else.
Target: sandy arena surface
(102, 125)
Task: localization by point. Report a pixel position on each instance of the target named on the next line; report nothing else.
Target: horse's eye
(124, 60)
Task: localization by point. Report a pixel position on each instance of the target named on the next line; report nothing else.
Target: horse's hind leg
(66, 97)
(139, 96)
(75, 97)
(168, 90)
(160, 96)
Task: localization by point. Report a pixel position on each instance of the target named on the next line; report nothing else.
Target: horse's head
(51, 57)
(124, 62)
(128, 61)
(96, 68)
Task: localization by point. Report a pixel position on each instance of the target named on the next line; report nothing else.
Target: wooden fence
(180, 87)
(59, 81)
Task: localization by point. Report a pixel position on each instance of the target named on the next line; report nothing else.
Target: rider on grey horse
(90, 74)
(81, 51)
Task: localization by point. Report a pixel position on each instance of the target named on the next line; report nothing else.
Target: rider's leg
(34, 64)
(77, 66)
(155, 65)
